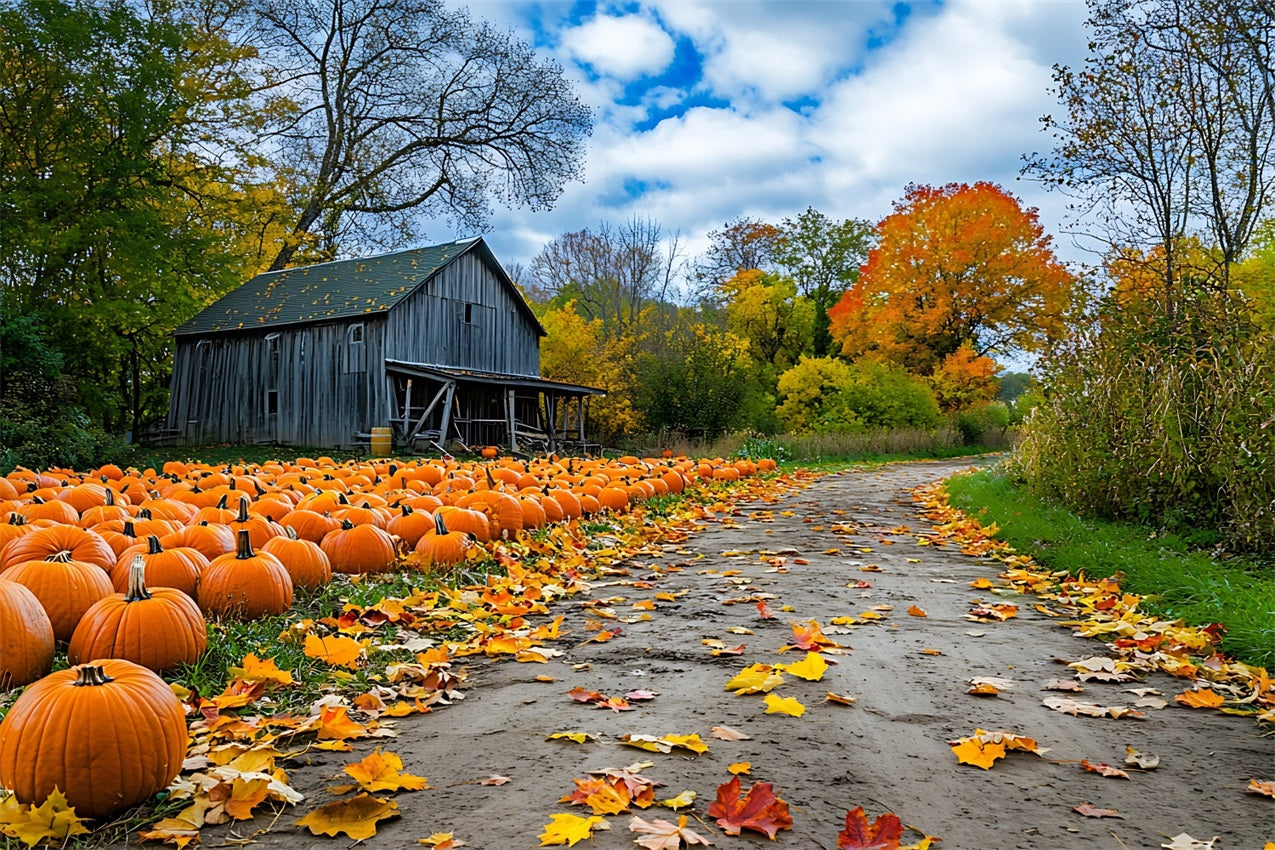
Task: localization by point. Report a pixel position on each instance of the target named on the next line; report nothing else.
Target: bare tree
(404, 108)
(739, 245)
(1169, 128)
(611, 272)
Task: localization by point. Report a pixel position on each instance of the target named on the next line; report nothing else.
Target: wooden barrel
(382, 442)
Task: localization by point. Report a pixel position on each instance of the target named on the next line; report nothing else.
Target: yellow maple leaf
(811, 668)
(1200, 698)
(755, 679)
(687, 742)
(335, 650)
(53, 819)
(441, 841)
(784, 705)
(570, 830)
(978, 753)
(681, 801)
(578, 737)
(382, 771)
(357, 817)
(182, 828)
(244, 796)
(608, 799)
(740, 767)
(256, 669)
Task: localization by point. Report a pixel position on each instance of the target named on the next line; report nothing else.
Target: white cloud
(623, 47)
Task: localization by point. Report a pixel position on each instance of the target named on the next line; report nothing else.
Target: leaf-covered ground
(809, 662)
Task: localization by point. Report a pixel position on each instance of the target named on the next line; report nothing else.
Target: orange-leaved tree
(956, 265)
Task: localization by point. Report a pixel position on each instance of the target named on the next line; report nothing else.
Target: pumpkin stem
(153, 547)
(244, 549)
(221, 503)
(62, 557)
(346, 525)
(90, 675)
(110, 497)
(129, 530)
(243, 510)
(439, 526)
(290, 531)
(406, 510)
(17, 519)
(144, 513)
(137, 580)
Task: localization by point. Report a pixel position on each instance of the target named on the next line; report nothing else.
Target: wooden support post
(550, 398)
(449, 390)
(580, 414)
(407, 404)
(510, 419)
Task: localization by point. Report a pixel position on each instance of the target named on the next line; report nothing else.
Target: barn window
(356, 333)
(272, 351)
(469, 314)
(272, 402)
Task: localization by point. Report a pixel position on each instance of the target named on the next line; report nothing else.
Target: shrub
(825, 395)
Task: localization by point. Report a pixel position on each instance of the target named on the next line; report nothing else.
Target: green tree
(828, 395)
(95, 228)
(766, 310)
(698, 380)
(822, 257)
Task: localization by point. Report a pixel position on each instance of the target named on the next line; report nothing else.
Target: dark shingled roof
(326, 291)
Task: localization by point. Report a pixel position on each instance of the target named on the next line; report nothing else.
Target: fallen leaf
(739, 767)
(1265, 788)
(983, 689)
(357, 817)
(663, 835)
(1200, 698)
(759, 810)
(53, 819)
(255, 669)
(981, 583)
(681, 801)
(811, 668)
(382, 771)
(441, 841)
(784, 705)
(726, 733)
(839, 699)
(495, 779)
(1089, 810)
(1145, 761)
(335, 650)
(755, 679)
(1182, 841)
(883, 833)
(916, 611)
(931, 652)
(570, 830)
(976, 752)
(578, 737)
(764, 611)
(1064, 685)
(1103, 769)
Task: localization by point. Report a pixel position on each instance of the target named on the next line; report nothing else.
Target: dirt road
(886, 752)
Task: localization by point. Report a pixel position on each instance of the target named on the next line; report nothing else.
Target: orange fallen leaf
(382, 771)
(931, 652)
(1200, 698)
(335, 650)
(1264, 788)
(839, 699)
(976, 752)
(916, 611)
(1103, 769)
(255, 669)
(776, 704)
(1089, 810)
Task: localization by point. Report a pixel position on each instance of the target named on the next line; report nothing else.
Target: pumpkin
(306, 563)
(440, 546)
(613, 498)
(80, 545)
(211, 540)
(245, 585)
(178, 567)
(157, 628)
(108, 735)
(359, 549)
(54, 509)
(309, 524)
(260, 528)
(410, 525)
(65, 587)
(26, 637)
(490, 452)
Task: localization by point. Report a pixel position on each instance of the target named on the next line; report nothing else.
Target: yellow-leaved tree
(577, 351)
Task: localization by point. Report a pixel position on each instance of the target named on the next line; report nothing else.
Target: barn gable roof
(341, 289)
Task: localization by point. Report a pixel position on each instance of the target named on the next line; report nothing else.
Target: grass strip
(1174, 581)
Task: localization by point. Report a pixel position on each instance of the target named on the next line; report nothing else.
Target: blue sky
(707, 110)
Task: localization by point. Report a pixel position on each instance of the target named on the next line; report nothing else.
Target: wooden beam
(420, 423)
(509, 420)
(450, 389)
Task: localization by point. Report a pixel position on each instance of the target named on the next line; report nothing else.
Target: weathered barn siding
(328, 386)
(429, 325)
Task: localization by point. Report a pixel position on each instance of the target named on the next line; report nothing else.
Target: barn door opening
(270, 432)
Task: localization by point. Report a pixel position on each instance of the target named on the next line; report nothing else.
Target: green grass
(1176, 581)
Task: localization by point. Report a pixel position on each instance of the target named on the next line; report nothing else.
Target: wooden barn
(436, 343)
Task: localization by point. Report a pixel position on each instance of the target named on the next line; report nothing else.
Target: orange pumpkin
(440, 546)
(134, 749)
(305, 562)
(178, 567)
(359, 549)
(157, 628)
(26, 637)
(245, 585)
(65, 587)
(80, 545)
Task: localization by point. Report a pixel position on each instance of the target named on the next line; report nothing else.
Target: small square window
(469, 314)
(356, 333)
(272, 402)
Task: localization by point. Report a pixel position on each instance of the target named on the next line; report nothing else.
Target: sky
(709, 110)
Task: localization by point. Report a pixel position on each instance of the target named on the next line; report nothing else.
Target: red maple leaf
(764, 610)
(759, 810)
(881, 834)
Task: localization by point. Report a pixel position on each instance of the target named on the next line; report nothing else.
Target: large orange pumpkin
(359, 549)
(45, 542)
(108, 735)
(66, 588)
(245, 585)
(26, 637)
(441, 547)
(305, 562)
(178, 567)
(157, 628)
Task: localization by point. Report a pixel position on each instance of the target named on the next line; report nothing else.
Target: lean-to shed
(436, 343)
